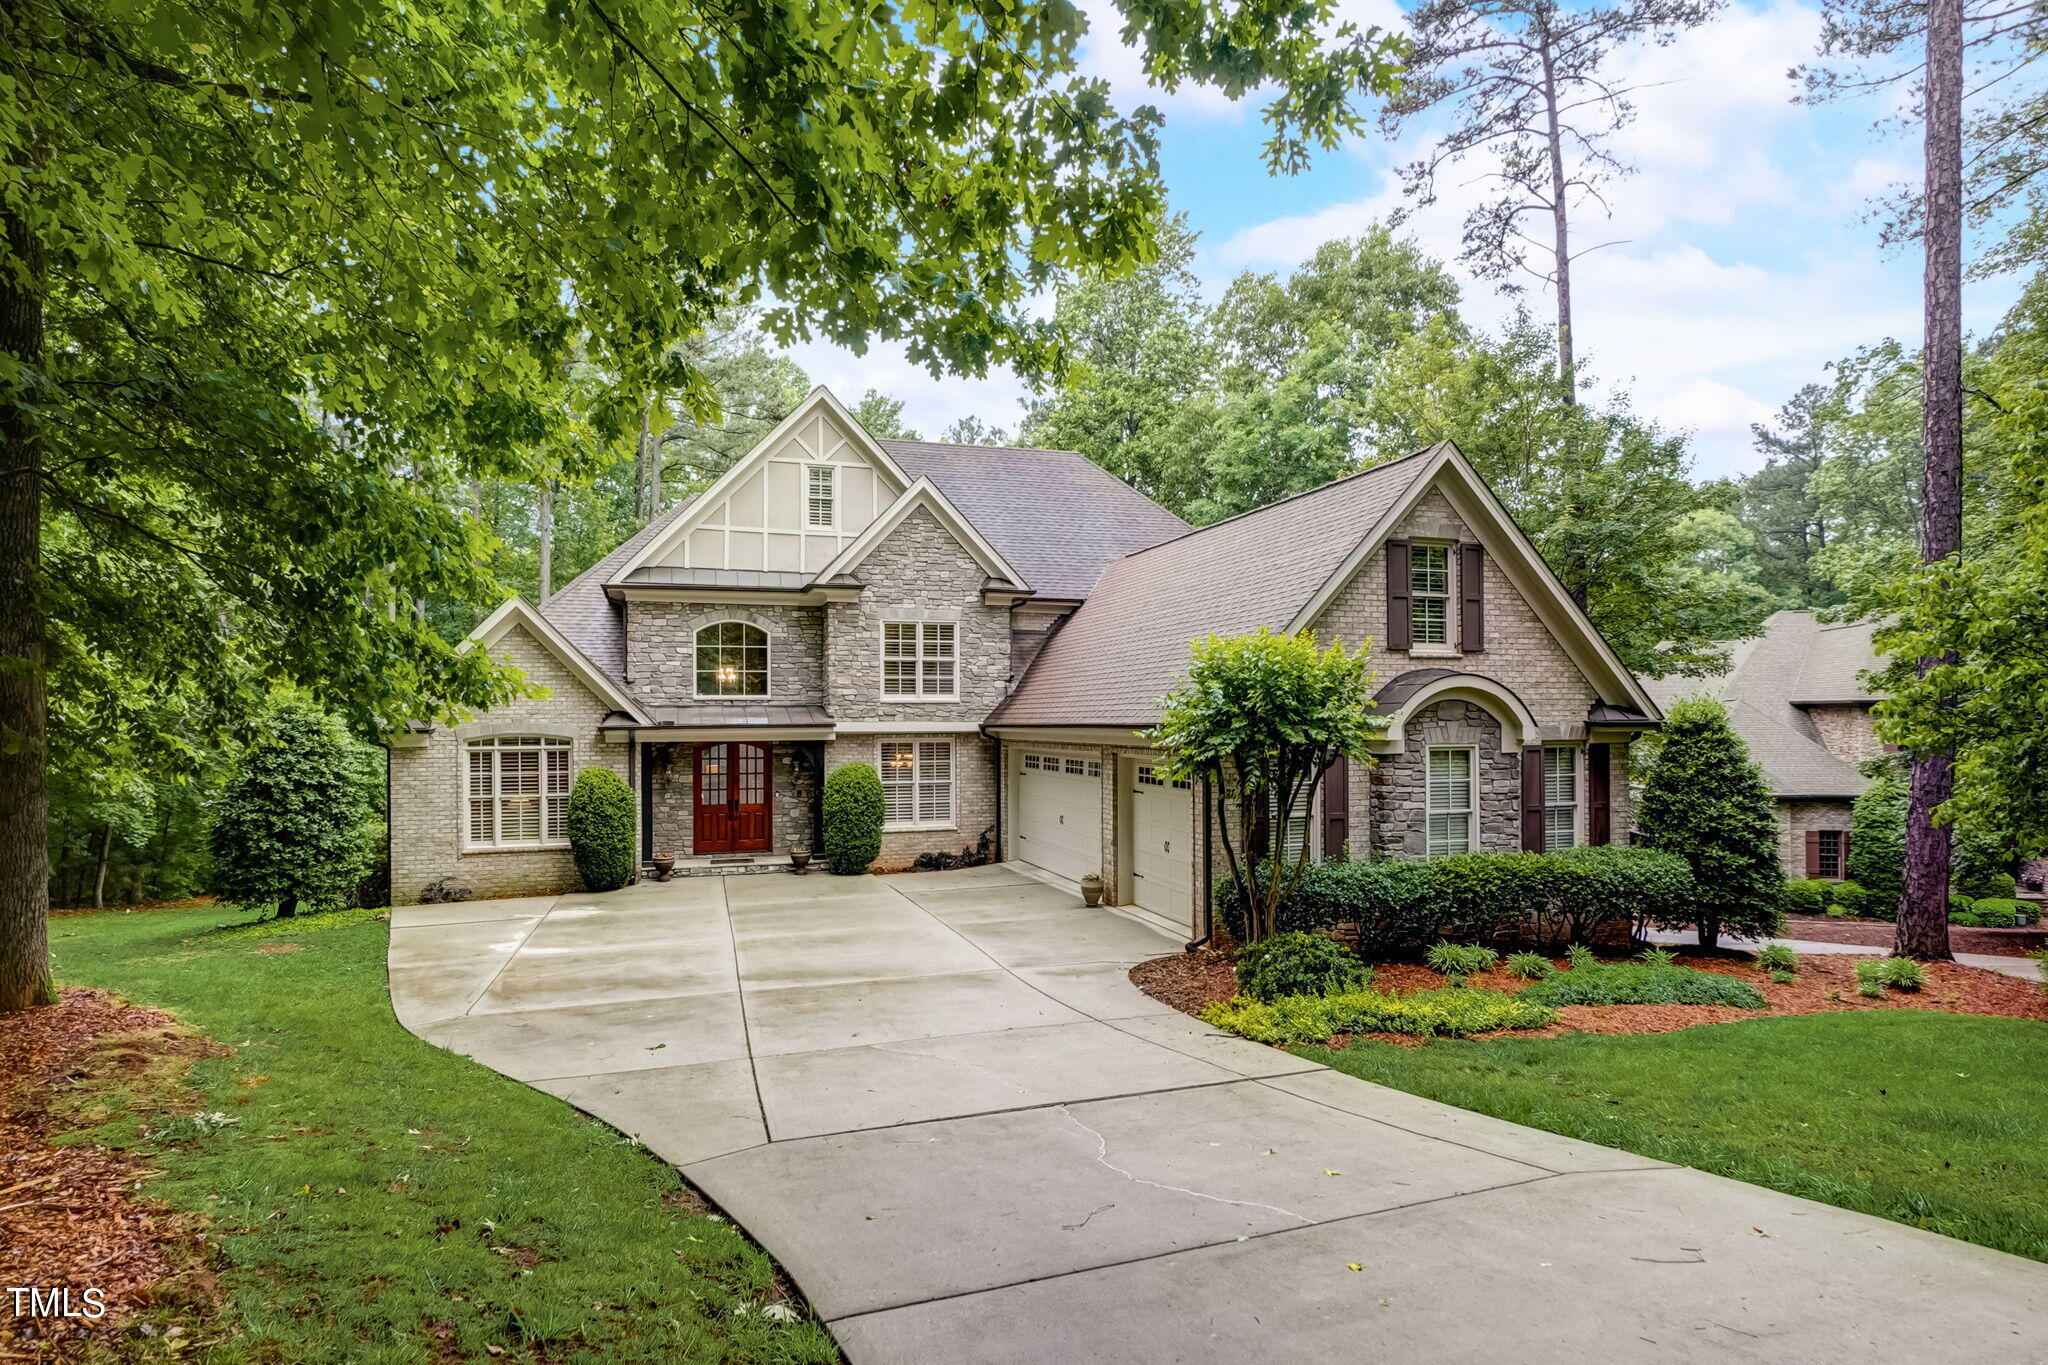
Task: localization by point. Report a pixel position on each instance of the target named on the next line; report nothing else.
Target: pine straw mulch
(68, 1214)
(1881, 933)
(1824, 984)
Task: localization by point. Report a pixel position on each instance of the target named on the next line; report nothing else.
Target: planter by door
(732, 798)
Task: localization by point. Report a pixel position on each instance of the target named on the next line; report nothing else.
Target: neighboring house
(1796, 695)
(993, 628)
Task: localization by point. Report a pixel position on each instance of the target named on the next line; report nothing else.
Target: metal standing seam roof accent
(1794, 657)
(713, 714)
(1113, 660)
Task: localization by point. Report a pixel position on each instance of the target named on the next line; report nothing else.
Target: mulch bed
(1878, 933)
(68, 1215)
(1825, 984)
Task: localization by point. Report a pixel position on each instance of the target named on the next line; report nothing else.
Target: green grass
(1929, 1119)
(380, 1200)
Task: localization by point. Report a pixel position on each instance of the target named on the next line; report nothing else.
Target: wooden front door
(732, 798)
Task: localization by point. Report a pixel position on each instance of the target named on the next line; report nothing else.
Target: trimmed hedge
(1852, 898)
(1805, 897)
(853, 819)
(601, 829)
(1994, 912)
(1989, 886)
(1400, 905)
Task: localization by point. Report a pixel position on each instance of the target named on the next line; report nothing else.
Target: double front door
(732, 798)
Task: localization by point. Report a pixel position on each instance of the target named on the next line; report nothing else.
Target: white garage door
(1162, 846)
(1059, 813)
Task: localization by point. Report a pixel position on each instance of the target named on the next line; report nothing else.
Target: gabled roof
(926, 495)
(1278, 566)
(1795, 662)
(516, 614)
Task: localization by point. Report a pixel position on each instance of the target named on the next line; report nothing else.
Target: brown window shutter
(1472, 592)
(1336, 807)
(1400, 620)
(1532, 798)
(1599, 774)
(1813, 853)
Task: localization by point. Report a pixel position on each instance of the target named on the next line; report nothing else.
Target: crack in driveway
(1102, 1160)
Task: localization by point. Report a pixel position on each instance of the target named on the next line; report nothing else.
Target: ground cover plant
(1529, 966)
(1425, 1014)
(374, 1198)
(1777, 957)
(1906, 1114)
(1642, 983)
(1460, 960)
(1296, 963)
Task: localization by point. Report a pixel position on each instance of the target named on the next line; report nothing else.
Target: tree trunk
(547, 540)
(24, 713)
(1923, 903)
(99, 881)
(288, 907)
(1566, 366)
(647, 465)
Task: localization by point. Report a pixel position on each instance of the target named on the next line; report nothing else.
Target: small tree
(288, 828)
(1259, 721)
(1877, 835)
(1707, 802)
(601, 829)
(853, 819)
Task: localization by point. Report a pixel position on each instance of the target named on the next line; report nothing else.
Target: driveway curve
(939, 1102)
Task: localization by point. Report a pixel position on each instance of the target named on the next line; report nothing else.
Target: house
(993, 629)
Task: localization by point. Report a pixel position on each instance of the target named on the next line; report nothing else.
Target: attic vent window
(821, 502)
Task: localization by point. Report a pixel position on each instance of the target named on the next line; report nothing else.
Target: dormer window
(821, 497)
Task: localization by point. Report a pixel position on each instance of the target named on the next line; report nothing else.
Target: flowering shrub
(1426, 1014)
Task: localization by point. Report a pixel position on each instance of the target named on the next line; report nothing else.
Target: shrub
(1783, 977)
(1488, 894)
(1658, 957)
(1902, 973)
(1836, 911)
(601, 829)
(1808, 897)
(1996, 913)
(1707, 802)
(1958, 905)
(1529, 966)
(2040, 956)
(1426, 1014)
(1298, 963)
(1993, 886)
(1461, 959)
(1617, 883)
(1580, 955)
(853, 819)
(1396, 905)
(1641, 983)
(1777, 957)
(1850, 898)
(287, 830)
(1877, 835)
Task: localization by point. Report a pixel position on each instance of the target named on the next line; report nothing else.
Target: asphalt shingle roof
(1795, 659)
(1055, 515)
(1127, 646)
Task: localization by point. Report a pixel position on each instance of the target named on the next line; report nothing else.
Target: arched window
(732, 660)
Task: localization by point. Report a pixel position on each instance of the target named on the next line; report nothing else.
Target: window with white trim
(517, 791)
(919, 659)
(917, 784)
(821, 496)
(1450, 802)
(1560, 796)
(732, 660)
(1429, 593)
(1148, 776)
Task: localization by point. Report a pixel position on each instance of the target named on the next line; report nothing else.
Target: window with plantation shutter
(917, 784)
(1450, 802)
(1560, 797)
(920, 659)
(821, 501)
(516, 790)
(1429, 594)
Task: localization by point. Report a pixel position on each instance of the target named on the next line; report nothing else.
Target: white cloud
(930, 405)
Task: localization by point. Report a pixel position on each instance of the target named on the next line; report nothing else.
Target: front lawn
(376, 1199)
(1930, 1119)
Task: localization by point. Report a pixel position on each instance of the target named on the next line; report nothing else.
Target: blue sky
(1747, 261)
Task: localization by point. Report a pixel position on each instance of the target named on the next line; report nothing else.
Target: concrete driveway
(939, 1103)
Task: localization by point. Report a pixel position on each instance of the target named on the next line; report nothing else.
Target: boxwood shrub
(1806, 897)
(1852, 898)
(853, 819)
(1298, 963)
(1994, 913)
(601, 829)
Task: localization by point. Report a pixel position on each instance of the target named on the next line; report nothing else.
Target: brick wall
(427, 816)
(661, 651)
(974, 792)
(918, 573)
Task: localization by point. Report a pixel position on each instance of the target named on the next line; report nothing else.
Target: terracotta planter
(664, 866)
(1091, 890)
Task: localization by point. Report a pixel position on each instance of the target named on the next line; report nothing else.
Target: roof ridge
(976, 445)
(1291, 497)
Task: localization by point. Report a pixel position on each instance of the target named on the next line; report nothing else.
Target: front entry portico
(733, 806)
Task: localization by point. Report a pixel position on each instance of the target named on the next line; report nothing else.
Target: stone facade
(974, 792)
(1395, 814)
(661, 651)
(918, 573)
(671, 774)
(427, 814)
(1795, 819)
(1847, 732)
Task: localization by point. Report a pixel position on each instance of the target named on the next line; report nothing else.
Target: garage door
(1162, 846)
(1059, 813)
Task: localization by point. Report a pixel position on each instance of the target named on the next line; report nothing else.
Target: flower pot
(799, 861)
(664, 866)
(1091, 890)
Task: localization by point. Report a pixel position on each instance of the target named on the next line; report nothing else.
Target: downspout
(1002, 781)
(1208, 875)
